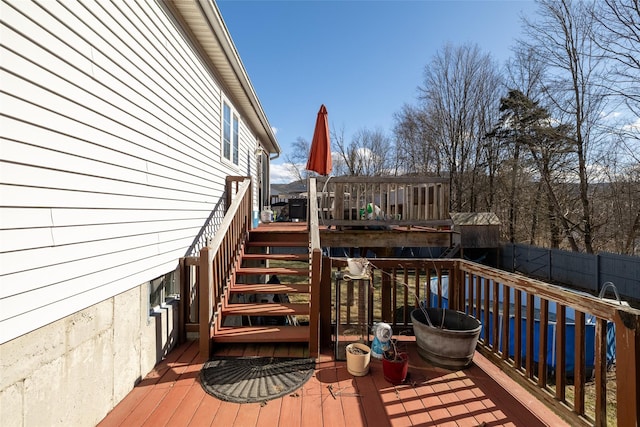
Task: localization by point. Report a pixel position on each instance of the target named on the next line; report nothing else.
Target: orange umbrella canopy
(320, 154)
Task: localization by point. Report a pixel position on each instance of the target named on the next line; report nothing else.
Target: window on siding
(226, 132)
(230, 135)
(235, 139)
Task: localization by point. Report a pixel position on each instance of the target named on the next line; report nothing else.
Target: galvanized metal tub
(451, 346)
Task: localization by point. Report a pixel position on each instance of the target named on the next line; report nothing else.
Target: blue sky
(362, 59)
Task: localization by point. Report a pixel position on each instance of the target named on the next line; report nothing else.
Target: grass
(295, 280)
(590, 397)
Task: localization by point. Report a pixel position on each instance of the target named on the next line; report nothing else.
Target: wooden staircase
(244, 298)
(451, 251)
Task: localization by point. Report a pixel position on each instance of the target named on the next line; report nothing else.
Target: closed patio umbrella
(320, 154)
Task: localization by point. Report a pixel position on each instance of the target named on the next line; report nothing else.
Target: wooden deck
(481, 395)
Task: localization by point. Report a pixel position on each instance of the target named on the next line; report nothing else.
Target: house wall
(73, 371)
(110, 163)
(110, 152)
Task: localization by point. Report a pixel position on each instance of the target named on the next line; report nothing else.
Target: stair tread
(268, 288)
(273, 270)
(266, 309)
(271, 243)
(279, 257)
(262, 334)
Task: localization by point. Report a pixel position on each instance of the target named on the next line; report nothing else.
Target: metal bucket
(451, 346)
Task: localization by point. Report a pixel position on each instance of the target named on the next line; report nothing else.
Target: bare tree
(296, 160)
(562, 39)
(368, 154)
(619, 39)
(618, 36)
(416, 151)
(454, 94)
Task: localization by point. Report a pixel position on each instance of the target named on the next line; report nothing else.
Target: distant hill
(295, 187)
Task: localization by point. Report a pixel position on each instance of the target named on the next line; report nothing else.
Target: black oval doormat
(254, 379)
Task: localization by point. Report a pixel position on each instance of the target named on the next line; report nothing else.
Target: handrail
(218, 258)
(603, 291)
(315, 268)
(385, 179)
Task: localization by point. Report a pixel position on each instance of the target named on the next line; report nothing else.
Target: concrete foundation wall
(74, 371)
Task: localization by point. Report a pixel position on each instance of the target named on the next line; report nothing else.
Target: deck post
(628, 363)
(205, 292)
(325, 303)
(314, 310)
(184, 288)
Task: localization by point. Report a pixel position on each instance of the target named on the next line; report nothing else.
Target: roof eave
(203, 22)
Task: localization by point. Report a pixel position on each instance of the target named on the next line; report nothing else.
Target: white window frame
(230, 134)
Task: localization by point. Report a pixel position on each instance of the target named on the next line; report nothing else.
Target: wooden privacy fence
(567, 340)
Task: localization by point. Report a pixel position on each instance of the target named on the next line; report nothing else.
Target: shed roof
(474, 218)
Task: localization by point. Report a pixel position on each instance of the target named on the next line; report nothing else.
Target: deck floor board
(172, 396)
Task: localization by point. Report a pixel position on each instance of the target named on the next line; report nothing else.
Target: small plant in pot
(395, 364)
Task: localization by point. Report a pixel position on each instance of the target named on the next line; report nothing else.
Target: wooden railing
(205, 278)
(315, 270)
(557, 369)
(383, 201)
(583, 325)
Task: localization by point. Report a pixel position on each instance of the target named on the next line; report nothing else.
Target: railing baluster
(579, 375)
(394, 296)
(561, 342)
(529, 336)
(542, 350)
(410, 214)
(417, 287)
(601, 372)
(429, 196)
(406, 295)
(506, 313)
(495, 317)
(517, 329)
(487, 297)
(421, 204)
(439, 276)
(469, 299)
(476, 279)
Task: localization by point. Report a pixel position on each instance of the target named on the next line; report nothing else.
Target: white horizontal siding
(109, 154)
(16, 218)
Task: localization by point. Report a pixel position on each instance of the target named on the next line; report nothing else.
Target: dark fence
(587, 272)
